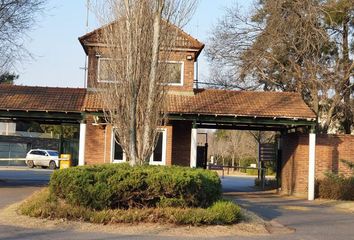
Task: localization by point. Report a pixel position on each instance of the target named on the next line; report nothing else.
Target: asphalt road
(306, 220)
(16, 183)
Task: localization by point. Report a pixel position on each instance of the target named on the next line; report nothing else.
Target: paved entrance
(301, 219)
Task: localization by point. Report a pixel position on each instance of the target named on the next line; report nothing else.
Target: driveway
(291, 218)
(303, 219)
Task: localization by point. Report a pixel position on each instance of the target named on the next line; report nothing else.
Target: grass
(43, 206)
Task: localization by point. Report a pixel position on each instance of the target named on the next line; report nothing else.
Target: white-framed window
(158, 157)
(104, 74)
(176, 71)
(118, 155)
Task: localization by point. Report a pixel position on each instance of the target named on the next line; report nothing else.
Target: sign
(267, 152)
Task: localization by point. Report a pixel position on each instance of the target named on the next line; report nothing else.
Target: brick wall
(97, 151)
(188, 75)
(95, 148)
(169, 130)
(330, 150)
(181, 143)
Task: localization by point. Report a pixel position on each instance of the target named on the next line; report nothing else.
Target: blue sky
(59, 56)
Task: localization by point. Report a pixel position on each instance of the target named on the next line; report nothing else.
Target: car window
(53, 153)
(41, 153)
(34, 153)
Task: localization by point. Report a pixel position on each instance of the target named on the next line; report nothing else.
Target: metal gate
(12, 150)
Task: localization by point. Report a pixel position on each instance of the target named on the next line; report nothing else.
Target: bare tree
(139, 43)
(288, 46)
(233, 145)
(17, 17)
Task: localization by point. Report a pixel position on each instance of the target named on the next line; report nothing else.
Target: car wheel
(52, 165)
(30, 164)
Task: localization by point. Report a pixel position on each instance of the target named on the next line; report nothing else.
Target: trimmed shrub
(336, 187)
(42, 205)
(270, 183)
(119, 186)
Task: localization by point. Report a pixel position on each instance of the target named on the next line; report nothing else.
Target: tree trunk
(346, 88)
(152, 78)
(133, 103)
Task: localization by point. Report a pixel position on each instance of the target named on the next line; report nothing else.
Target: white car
(43, 158)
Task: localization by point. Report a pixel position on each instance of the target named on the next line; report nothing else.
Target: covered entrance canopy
(242, 110)
(45, 104)
(23, 106)
(200, 108)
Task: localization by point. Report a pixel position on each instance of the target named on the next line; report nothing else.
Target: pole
(312, 165)
(82, 142)
(194, 145)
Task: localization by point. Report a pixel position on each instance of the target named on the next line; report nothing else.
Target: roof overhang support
(240, 127)
(242, 122)
(42, 116)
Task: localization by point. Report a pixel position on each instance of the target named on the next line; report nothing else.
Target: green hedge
(119, 186)
(336, 187)
(42, 205)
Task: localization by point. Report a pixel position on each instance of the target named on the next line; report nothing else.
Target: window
(104, 74)
(7, 128)
(157, 158)
(118, 154)
(158, 149)
(159, 155)
(175, 72)
(40, 153)
(53, 153)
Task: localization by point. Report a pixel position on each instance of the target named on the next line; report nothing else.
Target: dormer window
(104, 75)
(175, 70)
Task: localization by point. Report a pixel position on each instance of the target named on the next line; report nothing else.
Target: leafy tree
(291, 45)
(8, 78)
(339, 20)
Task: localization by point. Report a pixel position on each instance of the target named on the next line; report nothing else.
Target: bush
(270, 183)
(113, 186)
(42, 205)
(336, 187)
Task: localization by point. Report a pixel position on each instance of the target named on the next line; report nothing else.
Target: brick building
(189, 108)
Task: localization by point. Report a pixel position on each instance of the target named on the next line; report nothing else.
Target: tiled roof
(15, 97)
(183, 40)
(226, 103)
(241, 103)
(204, 102)
(92, 102)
